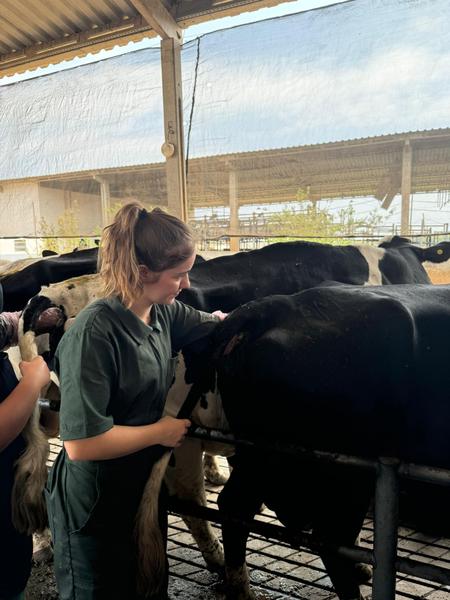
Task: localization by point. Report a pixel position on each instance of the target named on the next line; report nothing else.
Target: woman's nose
(185, 283)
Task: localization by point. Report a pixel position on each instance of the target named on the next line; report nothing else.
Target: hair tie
(143, 213)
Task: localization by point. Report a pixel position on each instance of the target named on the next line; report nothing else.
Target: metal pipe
(385, 529)
(300, 540)
(408, 470)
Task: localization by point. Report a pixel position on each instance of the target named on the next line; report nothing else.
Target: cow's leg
(186, 481)
(42, 547)
(213, 472)
(240, 499)
(340, 523)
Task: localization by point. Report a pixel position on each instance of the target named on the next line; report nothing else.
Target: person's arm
(122, 440)
(17, 408)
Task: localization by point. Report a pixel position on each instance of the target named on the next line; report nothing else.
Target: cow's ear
(396, 241)
(436, 254)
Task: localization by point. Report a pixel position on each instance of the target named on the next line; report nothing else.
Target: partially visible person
(17, 401)
(115, 366)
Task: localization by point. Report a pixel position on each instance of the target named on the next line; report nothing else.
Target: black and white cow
(347, 369)
(26, 281)
(225, 283)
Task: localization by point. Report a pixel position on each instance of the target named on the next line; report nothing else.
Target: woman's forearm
(118, 441)
(16, 409)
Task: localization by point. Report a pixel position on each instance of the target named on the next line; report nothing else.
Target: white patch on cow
(73, 294)
(186, 479)
(372, 255)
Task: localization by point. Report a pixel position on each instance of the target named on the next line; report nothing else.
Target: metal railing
(384, 557)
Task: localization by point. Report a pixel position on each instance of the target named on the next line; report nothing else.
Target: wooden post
(405, 223)
(173, 147)
(234, 209)
(162, 21)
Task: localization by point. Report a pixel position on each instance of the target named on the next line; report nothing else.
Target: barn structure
(381, 166)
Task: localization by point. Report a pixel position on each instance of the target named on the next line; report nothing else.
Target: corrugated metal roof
(35, 33)
(363, 167)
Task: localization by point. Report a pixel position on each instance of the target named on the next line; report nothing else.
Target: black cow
(359, 370)
(19, 287)
(285, 268)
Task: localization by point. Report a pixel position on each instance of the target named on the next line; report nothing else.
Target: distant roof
(361, 167)
(35, 34)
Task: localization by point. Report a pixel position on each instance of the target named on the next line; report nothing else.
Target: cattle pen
(410, 564)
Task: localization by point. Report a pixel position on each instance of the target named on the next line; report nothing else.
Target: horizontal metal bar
(305, 540)
(49, 404)
(408, 470)
(297, 539)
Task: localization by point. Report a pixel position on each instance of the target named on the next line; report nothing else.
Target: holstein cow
(227, 282)
(22, 284)
(347, 369)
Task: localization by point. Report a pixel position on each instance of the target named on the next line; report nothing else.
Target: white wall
(86, 207)
(19, 216)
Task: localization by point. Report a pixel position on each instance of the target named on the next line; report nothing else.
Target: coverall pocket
(81, 487)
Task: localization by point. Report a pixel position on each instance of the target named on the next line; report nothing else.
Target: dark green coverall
(113, 370)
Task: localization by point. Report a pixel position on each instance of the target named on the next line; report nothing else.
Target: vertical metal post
(406, 188)
(385, 529)
(234, 209)
(173, 147)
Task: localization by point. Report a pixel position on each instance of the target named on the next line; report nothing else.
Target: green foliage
(56, 234)
(319, 224)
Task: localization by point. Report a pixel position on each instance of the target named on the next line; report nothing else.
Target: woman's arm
(121, 440)
(16, 409)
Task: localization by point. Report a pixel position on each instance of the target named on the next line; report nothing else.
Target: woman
(116, 364)
(17, 402)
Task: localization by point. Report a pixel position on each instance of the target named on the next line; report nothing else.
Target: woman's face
(169, 283)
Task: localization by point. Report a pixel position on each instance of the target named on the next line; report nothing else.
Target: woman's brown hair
(136, 237)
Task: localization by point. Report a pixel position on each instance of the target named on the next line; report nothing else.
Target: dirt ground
(41, 585)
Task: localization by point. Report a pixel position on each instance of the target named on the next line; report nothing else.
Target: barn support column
(105, 199)
(385, 530)
(405, 224)
(173, 147)
(160, 19)
(234, 210)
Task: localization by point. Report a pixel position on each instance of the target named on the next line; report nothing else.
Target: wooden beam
(173, 147)
(405, 222)
(159, 18)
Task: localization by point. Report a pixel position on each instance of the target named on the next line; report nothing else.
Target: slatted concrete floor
(278, 572)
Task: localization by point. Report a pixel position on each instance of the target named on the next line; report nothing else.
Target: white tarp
(106, 114)
(352, 70)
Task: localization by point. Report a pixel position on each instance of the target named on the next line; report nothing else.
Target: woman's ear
(147, 276)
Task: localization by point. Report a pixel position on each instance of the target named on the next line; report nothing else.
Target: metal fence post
(385, 529)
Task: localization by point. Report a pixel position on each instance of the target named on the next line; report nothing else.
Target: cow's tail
(150, 544)
(29, 513)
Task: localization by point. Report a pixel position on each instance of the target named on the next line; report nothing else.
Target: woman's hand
(173, 431)
(220, 314)
(35, 372)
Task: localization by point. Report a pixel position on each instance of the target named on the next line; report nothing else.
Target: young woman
(17, 401)
(116, 364)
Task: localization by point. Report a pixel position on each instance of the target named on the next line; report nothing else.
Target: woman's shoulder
(96, 316)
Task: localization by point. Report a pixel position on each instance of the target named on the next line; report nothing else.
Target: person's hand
(35, 371)
(220, 314)
(173, 431)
